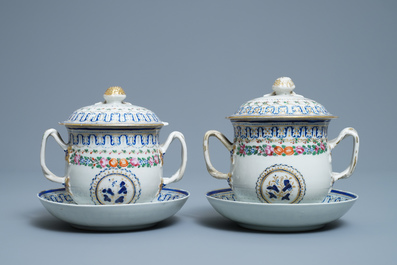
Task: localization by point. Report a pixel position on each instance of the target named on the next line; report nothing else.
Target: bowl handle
(333, 143)
(163, 148)
(47, 173)
(213, 172)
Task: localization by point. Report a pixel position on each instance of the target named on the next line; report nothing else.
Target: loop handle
(163, 148)
(213, 172)
(333, 143)
(47, 173)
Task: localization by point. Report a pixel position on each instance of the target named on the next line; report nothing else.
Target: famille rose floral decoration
(104, 160)
(280, 152)
(113, 155)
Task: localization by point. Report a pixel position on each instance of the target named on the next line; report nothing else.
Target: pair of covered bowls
(280, 152)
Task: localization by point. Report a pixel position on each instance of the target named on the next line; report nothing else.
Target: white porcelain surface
(282, 217)
(280, 151)
(113, 217)
(282, 103)
(113, 153)
(113, 111)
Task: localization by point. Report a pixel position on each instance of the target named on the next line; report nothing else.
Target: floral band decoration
(76, 158)
(317, 148)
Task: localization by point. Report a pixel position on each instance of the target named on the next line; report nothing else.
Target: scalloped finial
(283, 86)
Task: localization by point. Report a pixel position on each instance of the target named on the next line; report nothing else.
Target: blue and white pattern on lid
(283, 103)
(113, 112)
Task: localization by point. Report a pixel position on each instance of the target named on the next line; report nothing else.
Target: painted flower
(289, 150)
(269, 150)
(77, 159)
(242, 149)
(113, 162)
(299, 149)
(322, 146)
(151, 161)
(103, 162)
(134, 162)
(317, 148)
(85, 161)
(123, 162)
(278, 150)
(309, 149)
(156, 159)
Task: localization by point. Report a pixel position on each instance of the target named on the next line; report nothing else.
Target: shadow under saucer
(209, 218)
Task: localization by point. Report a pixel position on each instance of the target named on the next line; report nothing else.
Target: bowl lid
(113, 112)
(283, 104)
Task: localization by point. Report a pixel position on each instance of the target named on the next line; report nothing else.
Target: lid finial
(283, 86)
(114, 94)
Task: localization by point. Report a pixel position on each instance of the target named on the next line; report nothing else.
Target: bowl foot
(113, 228)
(281, 228)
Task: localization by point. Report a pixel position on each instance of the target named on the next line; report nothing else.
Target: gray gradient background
(194, 63)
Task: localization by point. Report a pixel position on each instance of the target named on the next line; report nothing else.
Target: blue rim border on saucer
(349, 195)
(71, 202)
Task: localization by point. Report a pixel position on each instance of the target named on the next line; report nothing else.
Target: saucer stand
(113, 217)
(281, 217)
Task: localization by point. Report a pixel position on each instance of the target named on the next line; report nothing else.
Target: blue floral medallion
(115, 187)
(281, 184)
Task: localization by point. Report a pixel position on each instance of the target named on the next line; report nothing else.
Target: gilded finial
(114, 95)
(114, 90)
(284, 82)
(283, 86)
